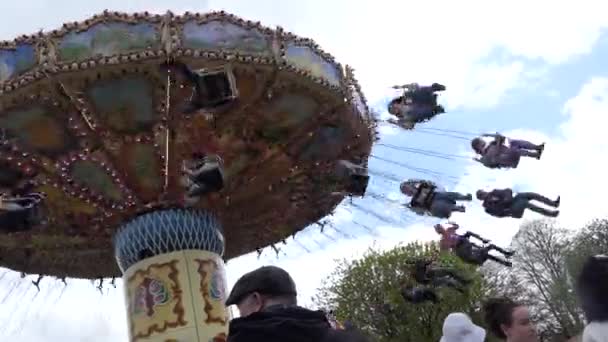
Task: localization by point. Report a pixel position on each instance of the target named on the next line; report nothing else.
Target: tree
(589, 241)
(366, 292)
(541, 279)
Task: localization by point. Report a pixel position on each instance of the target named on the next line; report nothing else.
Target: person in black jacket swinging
(503, 203)
(266, 299)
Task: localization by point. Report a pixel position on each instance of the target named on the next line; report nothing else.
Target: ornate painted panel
(96, 178)
(108, 39)
(125, 105)
(155, 299)
(287, 112)
(177, 296)
(217, 34)
(38, 128)
(14, 62)
(213, 290)
(142, 165)
(305, 58)
(326, 144)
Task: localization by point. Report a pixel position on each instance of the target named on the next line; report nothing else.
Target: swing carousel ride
(154, 147)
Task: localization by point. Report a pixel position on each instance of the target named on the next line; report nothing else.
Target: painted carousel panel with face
(128, 114)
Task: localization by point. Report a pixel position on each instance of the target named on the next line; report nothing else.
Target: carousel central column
(174, 277)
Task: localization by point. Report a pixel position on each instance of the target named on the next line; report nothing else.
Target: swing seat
(357, 185)
(424, 196)
(212, 89)
(219, 85)
(426, 97)
(24, 219)
(355, 177)
(209, 176)
(418, 182)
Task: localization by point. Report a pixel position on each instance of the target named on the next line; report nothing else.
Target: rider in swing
(418, 294)
(497, 154)
(201, 175)
(426, 199)
(502, 203)
(417, 104)
(468, 251)
(426, 273)
(19, 213)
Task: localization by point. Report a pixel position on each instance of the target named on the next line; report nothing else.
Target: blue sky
(504, 72)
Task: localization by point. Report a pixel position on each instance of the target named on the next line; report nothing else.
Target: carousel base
(176, 297)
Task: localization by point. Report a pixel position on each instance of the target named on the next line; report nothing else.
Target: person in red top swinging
(468, 251)
(449, 238)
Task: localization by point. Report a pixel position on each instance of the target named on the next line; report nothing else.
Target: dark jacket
(498, 155)
(421, 271)
(498, 202)
(288, 324)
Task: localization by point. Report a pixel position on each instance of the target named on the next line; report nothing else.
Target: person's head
(478, 145)
(509, 320)
(595, 332)
(481, 194)
(458, 327)
(591, 287)
(407, 188)
(263, 287)
(439, 229)
(393, 107)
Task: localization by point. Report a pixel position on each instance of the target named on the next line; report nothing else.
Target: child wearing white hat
(458, 327)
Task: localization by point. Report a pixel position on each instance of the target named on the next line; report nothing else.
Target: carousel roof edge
(38, 53)
(40, 49)
(357, 98)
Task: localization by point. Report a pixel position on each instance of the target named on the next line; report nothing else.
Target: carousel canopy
(98, 117)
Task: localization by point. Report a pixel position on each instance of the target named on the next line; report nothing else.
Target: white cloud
(486, 84)
(573, 166)
(400, 41)
(446, 41)
(76, 312)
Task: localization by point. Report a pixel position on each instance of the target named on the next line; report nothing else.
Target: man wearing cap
(267, 301)
(458, 327)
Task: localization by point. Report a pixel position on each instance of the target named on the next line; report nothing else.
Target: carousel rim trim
(46, 61)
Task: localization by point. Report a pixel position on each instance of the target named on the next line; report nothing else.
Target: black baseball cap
(267, 280)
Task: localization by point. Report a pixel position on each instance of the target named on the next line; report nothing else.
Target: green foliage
(542, 278)
(591, 240)
(359, 291)
(544, 273)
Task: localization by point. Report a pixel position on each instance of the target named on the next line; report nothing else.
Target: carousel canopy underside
(93, 120)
